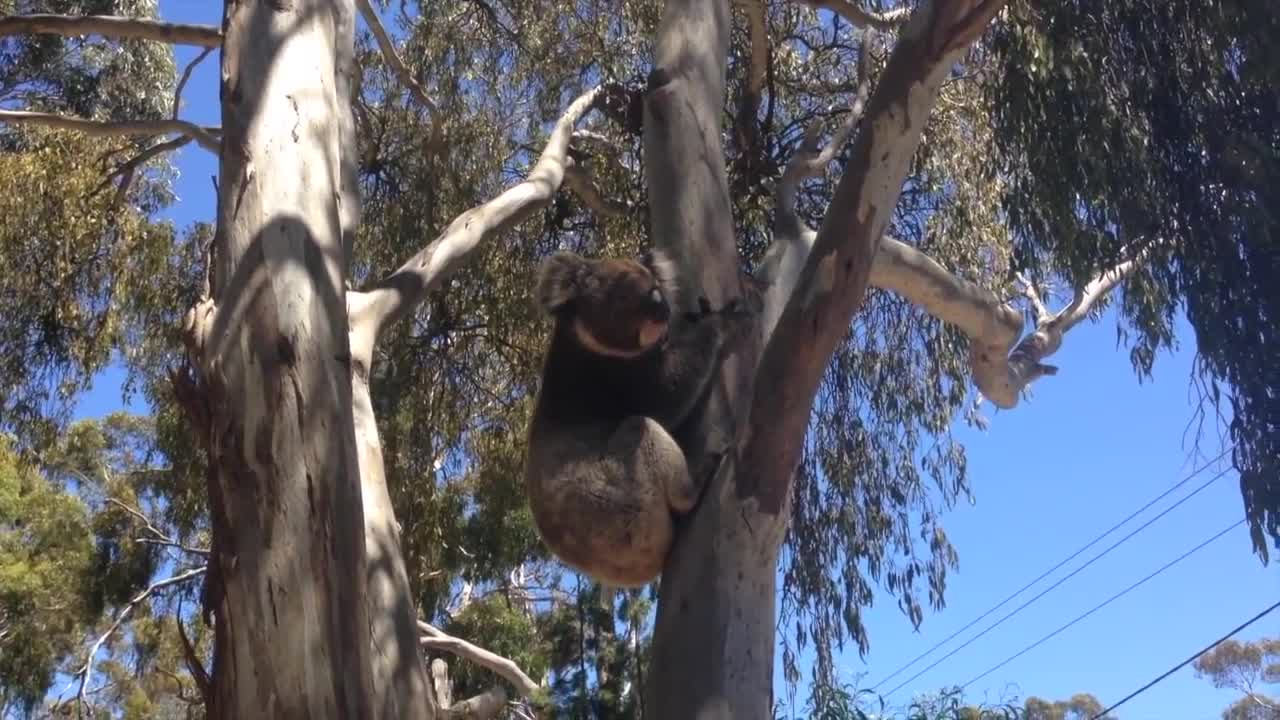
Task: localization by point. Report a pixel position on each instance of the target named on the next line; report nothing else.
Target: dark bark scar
(286, 352)
(271, 597)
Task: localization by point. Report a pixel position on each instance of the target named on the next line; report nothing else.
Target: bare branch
(478, 707)
(792, 237)
(393, 59)
(176, 545)
(859, 17)
(96, 128)
(436, 639)
(113, 27)
(440, 682)
(580, 182)
(186, 77)
(129, 168)
(194, 666)
(160, 538)
(1032, 294)
(87, 670)
(395, 296)
(1003, 378)
(598, 138)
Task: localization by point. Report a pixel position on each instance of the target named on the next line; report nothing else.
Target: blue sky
(1089, 448)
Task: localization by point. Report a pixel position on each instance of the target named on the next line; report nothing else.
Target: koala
(603, 470)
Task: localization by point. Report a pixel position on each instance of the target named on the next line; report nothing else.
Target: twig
(112, 26)
(160, 537)
(393, 59)
(127, 169)
(124, 612)
(97, 128)
(169, 543)
(186, 76)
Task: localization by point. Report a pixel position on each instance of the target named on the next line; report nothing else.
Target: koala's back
(582, 389)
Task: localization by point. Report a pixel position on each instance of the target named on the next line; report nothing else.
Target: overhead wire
(1059, 582)
(1106, 602)
(1066, 560)
(1189, 660)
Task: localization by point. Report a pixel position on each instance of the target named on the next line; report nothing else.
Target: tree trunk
(712, 654)
(292, 628)
(714, 636)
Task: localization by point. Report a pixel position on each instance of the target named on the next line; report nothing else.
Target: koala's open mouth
(652, 333)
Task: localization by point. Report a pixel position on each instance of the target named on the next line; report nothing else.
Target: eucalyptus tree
(895, 181)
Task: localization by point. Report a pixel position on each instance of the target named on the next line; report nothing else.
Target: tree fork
(712, 654)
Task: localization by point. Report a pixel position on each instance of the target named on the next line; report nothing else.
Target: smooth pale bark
(292, 629)
(714, 632)
(401, 686)
(713, 642)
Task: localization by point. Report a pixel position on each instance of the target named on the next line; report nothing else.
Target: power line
(1068, 559)
(1059, 582)
(1191, 659)
(1106, 602)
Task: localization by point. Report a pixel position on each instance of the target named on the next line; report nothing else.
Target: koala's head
(614, 307)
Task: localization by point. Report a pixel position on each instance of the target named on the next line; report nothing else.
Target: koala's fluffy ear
(558, 278)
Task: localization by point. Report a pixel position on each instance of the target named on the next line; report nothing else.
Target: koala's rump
(597, 501)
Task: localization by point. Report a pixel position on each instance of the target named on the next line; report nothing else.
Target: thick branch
(96, 128)
(859, 17)
(392, 58)
(478, 707)
(436, 639)
(124, 613)
(113, 27)
(395, 296)
(832, 284)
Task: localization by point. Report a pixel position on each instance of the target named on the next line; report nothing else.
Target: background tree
(458, 103)
(1081, 706)
(1244, 667)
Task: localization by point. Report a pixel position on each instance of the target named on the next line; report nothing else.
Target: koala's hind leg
(653, 456)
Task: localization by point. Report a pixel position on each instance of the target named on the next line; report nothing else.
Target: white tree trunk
(292, 628)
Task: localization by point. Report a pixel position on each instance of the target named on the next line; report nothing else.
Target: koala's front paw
(737, 322)
(704, 310)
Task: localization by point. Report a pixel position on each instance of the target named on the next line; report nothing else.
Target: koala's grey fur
(603, 471)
